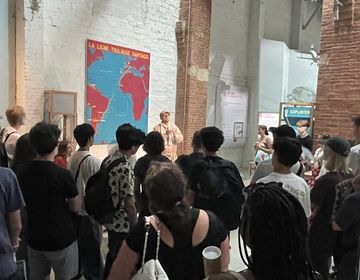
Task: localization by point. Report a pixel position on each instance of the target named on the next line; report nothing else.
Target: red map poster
(117, 89)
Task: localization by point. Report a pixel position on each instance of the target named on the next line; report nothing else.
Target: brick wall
(193, 64)
(338, 93)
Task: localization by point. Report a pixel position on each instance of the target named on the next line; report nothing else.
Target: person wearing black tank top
(184, 231)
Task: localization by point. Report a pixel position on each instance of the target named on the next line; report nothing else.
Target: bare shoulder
(201, 228)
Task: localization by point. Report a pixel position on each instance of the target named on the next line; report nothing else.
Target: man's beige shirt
(172, 137)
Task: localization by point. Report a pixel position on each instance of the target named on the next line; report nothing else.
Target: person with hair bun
(263, 146)
(184, 231)
(153, 146)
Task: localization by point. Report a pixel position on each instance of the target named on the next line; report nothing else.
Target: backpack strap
(147, 229)
(6, 138)
(78, 171)
(300, 169)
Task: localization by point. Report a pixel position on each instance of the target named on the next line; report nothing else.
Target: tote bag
(152, 269)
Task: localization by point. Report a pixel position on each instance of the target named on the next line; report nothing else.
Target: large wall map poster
(117, 89)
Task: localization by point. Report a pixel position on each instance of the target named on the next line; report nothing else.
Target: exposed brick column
(338, 93)
(193, 63)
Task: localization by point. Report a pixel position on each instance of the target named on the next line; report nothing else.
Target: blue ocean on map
(105, 74)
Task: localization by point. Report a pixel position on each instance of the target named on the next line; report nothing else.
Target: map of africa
(117, 89)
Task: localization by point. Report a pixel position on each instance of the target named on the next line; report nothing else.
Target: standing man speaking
(171, 134)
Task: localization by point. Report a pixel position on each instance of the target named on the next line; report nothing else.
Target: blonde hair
(335, 162)
(15, 115)
(302, 123)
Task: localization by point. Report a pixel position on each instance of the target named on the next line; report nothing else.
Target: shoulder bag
(152, 269)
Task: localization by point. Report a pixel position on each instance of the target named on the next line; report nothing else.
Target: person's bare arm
(137, 194)
(130, 209)
(124, 266)
(14, 221)
(335, 226)
(265, 150)
(225, 254)
(74, 204)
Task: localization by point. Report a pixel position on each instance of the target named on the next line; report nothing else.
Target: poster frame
(311, 105)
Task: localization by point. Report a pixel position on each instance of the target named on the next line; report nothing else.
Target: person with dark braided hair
(275, 228)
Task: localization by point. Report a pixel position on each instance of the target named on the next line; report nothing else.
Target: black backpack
(98, 199)
(220, 190)
(4, 159)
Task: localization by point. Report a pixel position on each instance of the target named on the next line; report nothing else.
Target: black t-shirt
(323, 196)
(143, 164)
(186, 162)
(307, 142)
(46, 188)
(141, 167)
(179, 263)
(199, 167)
(348, 218)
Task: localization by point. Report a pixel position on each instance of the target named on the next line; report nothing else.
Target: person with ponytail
(184, 231)
(263, 146)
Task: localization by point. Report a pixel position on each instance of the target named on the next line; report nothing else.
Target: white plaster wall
(277, 20)
(228, 56)
(311, 34)
(144, 25)
(302, 72)
(281, 71)
(272, 86)
(4, 60)
(50, 48)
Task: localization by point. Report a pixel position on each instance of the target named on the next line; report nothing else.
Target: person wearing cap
(304, 138)
(171, 134)
(265, 167)
(322, 239)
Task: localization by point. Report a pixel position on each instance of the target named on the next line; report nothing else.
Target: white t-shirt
(354, 159)
(10, 143)
(89, 167)
(294, 185)
(265, 167)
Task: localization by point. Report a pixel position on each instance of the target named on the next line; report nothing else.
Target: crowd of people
(170, 209)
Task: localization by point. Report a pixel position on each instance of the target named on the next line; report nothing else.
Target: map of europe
(117, 89)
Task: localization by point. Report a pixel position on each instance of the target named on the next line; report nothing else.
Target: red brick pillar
(193, 41)
(338, 92)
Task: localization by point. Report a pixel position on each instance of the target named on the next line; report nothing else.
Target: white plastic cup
(212, 262)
